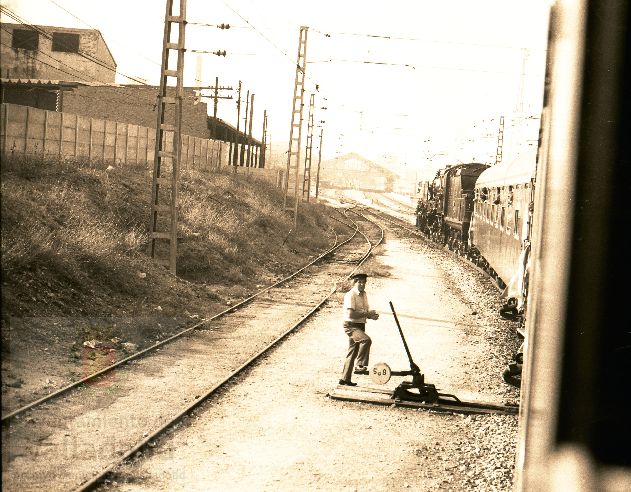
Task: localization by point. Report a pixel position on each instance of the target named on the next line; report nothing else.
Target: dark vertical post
(235, 159)
(319, 161)
(245, 129)
(250, 154)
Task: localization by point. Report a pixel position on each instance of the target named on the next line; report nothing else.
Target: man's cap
(358, 275)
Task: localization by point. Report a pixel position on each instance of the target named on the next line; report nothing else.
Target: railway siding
(84, 432)
(276, 430)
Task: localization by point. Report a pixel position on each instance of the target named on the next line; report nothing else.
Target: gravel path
(275, 428)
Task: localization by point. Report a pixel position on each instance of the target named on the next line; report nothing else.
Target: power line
(92, 27)
(269, 41)
(199, 24)
(408, 65)
(87, 56)
(366, 62)
(47, 64)
(129, 97)
(258, 31)
(421, 40)
(218, 26)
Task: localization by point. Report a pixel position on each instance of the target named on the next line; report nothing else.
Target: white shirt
(355, 300)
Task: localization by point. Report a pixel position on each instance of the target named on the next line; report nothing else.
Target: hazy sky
(402, 81)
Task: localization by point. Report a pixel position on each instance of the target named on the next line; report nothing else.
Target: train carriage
(500, 226)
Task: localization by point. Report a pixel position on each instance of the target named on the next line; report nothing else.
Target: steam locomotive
(484, 213)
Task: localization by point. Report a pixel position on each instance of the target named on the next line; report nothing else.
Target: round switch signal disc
(380, 373)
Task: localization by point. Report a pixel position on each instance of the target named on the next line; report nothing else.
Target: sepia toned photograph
(315, 246)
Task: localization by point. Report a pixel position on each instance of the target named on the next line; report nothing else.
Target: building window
(25, 39)
(66, 41)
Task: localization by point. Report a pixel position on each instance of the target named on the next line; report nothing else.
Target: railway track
(401, 224)
(75, 438)
(94, 376)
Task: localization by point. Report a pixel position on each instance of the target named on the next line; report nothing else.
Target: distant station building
(352, 171)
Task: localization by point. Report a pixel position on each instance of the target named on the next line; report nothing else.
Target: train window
(484, 194)
(516, 225)
(502, 217)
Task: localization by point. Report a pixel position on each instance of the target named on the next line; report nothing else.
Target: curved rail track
(58, 442)
(94, 376)
(401, 224)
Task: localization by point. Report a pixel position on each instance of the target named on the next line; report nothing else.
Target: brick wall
(135, 104)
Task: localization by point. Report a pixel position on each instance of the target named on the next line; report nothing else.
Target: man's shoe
(361, 370)
(343, 382)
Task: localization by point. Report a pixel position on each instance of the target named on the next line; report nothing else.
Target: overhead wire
(188, 23)
(293, 63)
(367, 62)
(92, 27)
(131, 95)
(43, 62)
(433, 41)
(87, 56)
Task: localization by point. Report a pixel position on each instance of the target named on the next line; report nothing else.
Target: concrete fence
(31, 131)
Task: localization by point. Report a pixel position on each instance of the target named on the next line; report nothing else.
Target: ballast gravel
(274, 428)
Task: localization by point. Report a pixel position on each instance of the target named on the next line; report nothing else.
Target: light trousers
(358, 348)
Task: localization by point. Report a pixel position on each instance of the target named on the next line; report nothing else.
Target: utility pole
(520, 98)
(164, 188)
(235, 157)
(249, 160)
(500, 141)
(319, 161)
(215, 96)
(306, 181)
(245, 130)
(293, 154)
(261, 163)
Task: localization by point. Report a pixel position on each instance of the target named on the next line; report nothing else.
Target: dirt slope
(75, 267)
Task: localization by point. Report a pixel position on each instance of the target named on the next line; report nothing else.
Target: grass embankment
(75, 263)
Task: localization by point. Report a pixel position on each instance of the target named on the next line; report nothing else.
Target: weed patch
(75, 246)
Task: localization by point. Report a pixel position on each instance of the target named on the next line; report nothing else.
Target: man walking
(356, 312)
